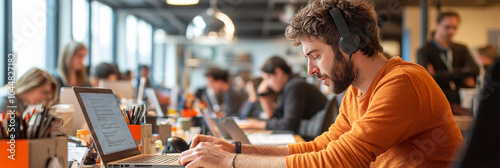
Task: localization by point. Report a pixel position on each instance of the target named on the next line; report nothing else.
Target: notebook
(110, 132)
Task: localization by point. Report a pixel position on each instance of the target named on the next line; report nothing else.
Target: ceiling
(261, 18)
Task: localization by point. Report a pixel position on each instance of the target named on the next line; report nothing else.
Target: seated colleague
(144, 72)
(251, 105)
(298, 99)
(34, 87)
(70, 68)
(229, 99)
(449, 63)
(104, 71)
(487, 56)
(393, 113)
(483, 147)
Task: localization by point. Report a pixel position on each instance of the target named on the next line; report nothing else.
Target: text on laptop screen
(108, 122)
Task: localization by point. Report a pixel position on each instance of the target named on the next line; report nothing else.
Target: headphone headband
(339, 21)
(348, 42)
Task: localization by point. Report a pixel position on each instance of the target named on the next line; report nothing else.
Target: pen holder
(34, 153)
(142, 135)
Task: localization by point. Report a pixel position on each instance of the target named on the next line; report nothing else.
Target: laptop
(67, 96)
(122, 88)
(110, 132)
(153, 101)
(226, 128)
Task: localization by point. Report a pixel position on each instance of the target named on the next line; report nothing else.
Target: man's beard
(341, 75)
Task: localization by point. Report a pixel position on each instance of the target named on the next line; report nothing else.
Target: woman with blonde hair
(34, 87)
(70, 68)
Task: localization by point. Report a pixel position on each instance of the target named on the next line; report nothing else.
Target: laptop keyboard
(151, 159)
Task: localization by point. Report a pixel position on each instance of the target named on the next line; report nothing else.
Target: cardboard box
(33, 153)
(142, 135)
(165, 132)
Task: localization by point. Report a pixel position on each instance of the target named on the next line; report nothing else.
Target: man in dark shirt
(449, 63)
(225, 98)
(297, 99)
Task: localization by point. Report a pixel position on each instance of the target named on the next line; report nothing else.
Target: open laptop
(227, 128)
(111, 134)
(122, 88)
(67, 96)
(153, 101)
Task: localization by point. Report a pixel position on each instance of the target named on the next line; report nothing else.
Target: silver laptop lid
(106, 123)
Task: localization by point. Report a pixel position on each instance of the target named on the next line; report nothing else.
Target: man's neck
(443, 44)
(368, 68)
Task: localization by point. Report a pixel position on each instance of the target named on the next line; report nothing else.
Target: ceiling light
(182, 2)
(211, 27)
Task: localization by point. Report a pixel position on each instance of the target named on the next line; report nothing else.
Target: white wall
(473, 30)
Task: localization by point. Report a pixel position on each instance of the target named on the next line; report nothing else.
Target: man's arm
(210, 155)
(265, 150)
(471, 68)
(246, 149)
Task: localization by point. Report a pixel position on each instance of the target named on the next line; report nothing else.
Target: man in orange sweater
(393, 113)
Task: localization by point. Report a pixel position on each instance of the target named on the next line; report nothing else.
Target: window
(80, 25)
(144, 35)
(130, 60)
(29, 30)
(101, 33)
(80, 20)
(159, 56)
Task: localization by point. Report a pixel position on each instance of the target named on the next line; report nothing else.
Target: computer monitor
(121, 88)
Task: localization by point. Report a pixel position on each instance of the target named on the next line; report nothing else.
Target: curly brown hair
(315, 22)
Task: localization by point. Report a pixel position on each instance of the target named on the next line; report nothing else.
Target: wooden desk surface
(298, 138)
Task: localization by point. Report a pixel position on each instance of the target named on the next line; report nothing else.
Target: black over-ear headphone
(348, 42)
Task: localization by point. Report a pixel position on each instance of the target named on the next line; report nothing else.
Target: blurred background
(178, 42)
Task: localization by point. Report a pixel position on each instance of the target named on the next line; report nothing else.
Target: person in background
(487, 56)
(70, 68)
(483, 148)
(241, 80)
(145, 72)
(449, 63)
(104, 71)
(229, 100)
(393, 113)
(127, 75)
(251, 106)
(34, 87)
(298, 99)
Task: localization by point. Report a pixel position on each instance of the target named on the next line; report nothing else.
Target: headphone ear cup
(349, 44)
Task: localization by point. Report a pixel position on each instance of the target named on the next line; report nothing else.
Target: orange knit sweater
(403, 120)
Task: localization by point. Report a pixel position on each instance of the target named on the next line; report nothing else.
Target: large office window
(101, 33)
(80, 25)
(29, 30)
(159, 56)
(144, 38)
(80, 21)
(130, 61)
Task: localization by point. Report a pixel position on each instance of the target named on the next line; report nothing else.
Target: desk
(464, 122)
(298, 138)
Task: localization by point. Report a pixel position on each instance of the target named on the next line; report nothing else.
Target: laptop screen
(108, 122)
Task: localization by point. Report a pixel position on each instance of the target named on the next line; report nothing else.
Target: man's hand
(430, 69)
(214, 141)
(206, 154)
(469, 81)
